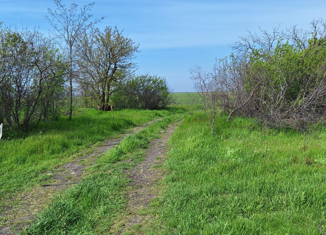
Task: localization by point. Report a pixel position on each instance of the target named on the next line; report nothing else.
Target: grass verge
(92, 206)
(241, 181)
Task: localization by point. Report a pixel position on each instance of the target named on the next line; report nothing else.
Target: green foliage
(144, 91)
(31, 79)
(288, 69)
(104, 60)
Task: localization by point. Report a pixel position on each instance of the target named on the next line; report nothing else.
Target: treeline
(42, 77)
(278, 78)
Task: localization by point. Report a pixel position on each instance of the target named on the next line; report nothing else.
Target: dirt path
(144, 189)
(15, 219)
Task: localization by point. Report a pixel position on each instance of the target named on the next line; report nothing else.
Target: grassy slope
(24, 162)
(92, 206)
(230, 184)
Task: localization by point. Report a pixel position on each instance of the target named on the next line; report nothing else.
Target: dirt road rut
(144, 177)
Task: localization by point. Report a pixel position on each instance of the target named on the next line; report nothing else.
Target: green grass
(24, 162)
(92, 206)
(239, 181)
(230, 184)
(186, 98)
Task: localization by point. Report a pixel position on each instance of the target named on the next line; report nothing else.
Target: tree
(223, 88)
(105, 59)
(208, 89)
(31, 72)
(69, 25)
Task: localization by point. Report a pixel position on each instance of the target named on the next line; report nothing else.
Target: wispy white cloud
(171, 24)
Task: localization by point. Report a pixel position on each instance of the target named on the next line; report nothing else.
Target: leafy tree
(105, 59)
(31, 72)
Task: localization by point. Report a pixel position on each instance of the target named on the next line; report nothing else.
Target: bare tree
(69, 25)
(224, 88)
(231, 75)
(208, 89)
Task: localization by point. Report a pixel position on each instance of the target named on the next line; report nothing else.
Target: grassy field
(242, 181)
(25, 161)
(92, 206)
(186, 98)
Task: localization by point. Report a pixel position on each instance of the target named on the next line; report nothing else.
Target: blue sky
(176, 35)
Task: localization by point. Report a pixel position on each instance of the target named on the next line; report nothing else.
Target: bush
(144, 91)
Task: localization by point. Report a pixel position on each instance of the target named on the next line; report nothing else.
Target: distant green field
(186, 98)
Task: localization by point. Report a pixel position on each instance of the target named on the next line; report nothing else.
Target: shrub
(144, 91)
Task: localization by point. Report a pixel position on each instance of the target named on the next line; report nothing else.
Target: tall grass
(92, 206)
(243, 180)
(24, 161)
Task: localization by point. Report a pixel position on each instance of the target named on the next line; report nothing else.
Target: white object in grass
(1, 130)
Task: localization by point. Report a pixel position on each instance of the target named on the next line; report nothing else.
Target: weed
(309, 161)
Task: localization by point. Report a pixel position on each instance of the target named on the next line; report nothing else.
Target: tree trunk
(70, 83)
(107, 106)
(102, 106)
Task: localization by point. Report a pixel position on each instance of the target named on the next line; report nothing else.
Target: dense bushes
(277, 77)
(145, 91)
(292, 86)
(31, 78)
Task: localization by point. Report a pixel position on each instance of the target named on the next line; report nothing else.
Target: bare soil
(143, 186)
(31, 202)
